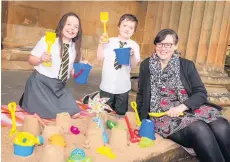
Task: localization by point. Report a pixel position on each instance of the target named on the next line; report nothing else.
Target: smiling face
(70, 29)
(166, 48)
(126, 29)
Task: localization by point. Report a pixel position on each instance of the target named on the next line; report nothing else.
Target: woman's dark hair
(129, 17)
(163, 33)
(76, 40)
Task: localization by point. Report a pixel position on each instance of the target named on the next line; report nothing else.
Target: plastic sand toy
(58, 140)
(78, 155)
(134, 106)
(106, 151)
(74, 130)
(24, 142)
(49, 39)
(161, 114)
(104, 17)
(145, 142)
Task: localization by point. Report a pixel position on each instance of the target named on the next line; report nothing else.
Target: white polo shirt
(53, 72)
(116, 81)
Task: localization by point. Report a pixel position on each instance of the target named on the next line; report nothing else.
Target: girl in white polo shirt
(115, 82)
(45, 91)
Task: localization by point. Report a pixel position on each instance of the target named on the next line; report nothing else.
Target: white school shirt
(116, 81)
(53, 72)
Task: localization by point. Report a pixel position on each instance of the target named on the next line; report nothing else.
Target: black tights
(211, 142)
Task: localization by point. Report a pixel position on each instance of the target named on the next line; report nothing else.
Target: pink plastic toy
(74, 130)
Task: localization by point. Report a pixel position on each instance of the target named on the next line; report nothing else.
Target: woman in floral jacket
(169, 83)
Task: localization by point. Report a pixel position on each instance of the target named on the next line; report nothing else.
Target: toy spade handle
(105, 36)
(13, 120)
(105, 135)
(104, 27)
(161, 114)
(12, 109)
(12, 106)
(134, 106)
(128, 126)
(49, 64)
(182, 114)
(48, 48)
(133, 137)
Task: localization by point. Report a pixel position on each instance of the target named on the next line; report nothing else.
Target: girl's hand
(104, 38)
(131, 52)
(72, 73)
(176, 111)
(45, 57)
(77, 116)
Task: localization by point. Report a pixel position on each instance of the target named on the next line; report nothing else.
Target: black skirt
(47, 97)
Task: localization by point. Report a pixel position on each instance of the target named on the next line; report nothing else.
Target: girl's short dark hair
(76, 39)
(129, 17)
(163, 33)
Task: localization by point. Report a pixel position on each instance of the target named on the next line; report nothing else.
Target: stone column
(26, 24)
(203, 29)
(206, 45)
(18, 41)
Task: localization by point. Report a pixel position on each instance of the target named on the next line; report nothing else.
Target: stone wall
(28, 21)
(197, 24)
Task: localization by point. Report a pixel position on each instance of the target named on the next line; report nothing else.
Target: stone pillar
(22, 33)
(206, 45)
(203, 29)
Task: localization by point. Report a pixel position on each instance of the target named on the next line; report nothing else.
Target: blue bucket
(147, 129)
(23, 150)
(123, 55)
(81, 72)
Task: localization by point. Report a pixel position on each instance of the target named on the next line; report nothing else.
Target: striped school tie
(116, 65)
(65, 63)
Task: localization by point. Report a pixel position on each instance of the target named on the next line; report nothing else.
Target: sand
(89, 139)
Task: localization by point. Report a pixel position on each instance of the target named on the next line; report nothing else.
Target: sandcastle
(61, 143)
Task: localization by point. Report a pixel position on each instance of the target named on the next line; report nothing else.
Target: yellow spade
(134, 106)
(50, 39)
(12, 109)
(104, 17)
(161, 114)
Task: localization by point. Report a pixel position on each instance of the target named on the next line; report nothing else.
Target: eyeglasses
(166, 45)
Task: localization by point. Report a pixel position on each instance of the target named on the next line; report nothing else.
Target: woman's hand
(176, 111)
(45, 57)
(104, 38)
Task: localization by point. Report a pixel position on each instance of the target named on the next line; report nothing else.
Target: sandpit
(89, 139)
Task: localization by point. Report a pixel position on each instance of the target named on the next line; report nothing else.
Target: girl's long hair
(77, 40)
